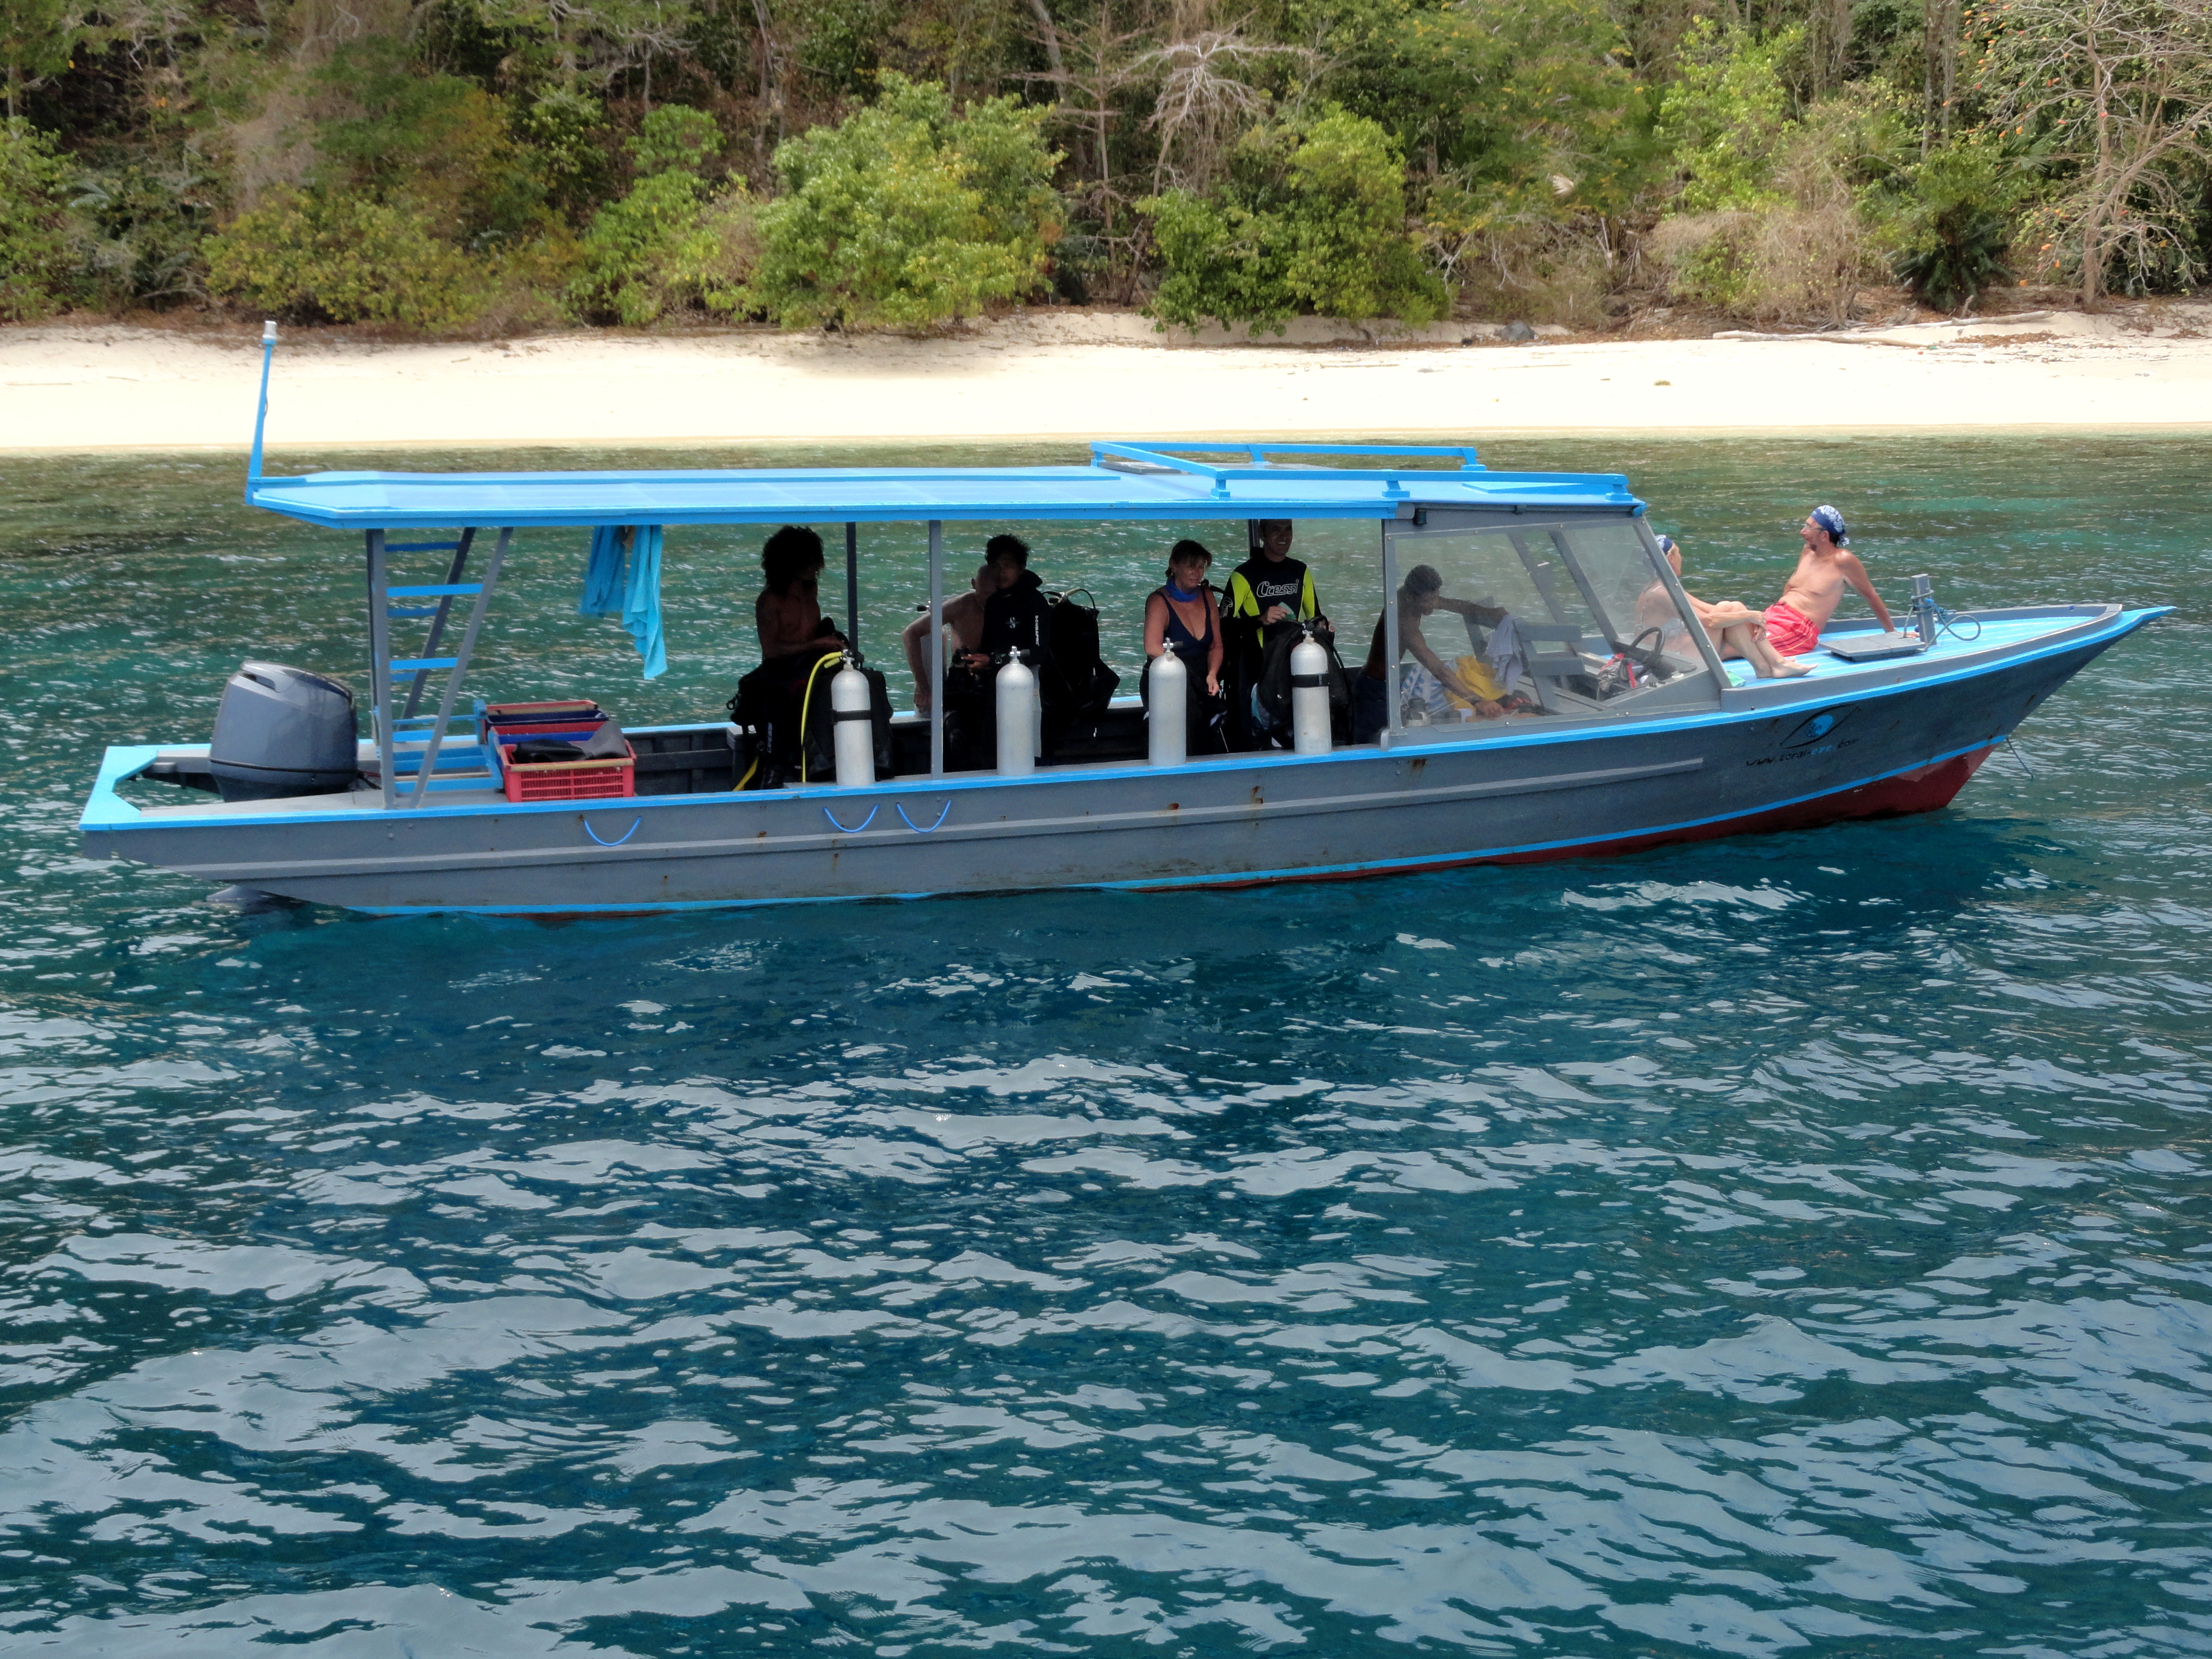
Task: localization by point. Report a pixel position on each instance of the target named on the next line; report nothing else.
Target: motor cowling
(1017, 719)
(853, 739)
(1167, 687)
(1309, 723)
(282, 731)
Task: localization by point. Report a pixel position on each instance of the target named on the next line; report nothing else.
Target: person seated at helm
(963, 616)
(1181, 615)
(788, 612)
(1267, 595)
(1421, 594)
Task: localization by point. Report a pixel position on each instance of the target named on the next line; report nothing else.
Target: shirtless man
(788, 612)
(1815, 589)
(964, 614)
(1736, 631)
(1421, 594)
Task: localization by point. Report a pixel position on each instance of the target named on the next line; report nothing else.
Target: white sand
(1079, 375)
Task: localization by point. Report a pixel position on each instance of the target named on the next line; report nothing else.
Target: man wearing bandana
(1815, 589)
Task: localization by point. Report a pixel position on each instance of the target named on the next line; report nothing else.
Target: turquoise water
(1786, 1246)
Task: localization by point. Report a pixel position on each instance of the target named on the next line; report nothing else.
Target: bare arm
(914, 636)
(1156, 626)
(1409, 637)
(1855, 573)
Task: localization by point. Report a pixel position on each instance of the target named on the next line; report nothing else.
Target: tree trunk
(1051, 50)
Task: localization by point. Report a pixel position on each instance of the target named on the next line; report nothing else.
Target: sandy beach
(1047, 375)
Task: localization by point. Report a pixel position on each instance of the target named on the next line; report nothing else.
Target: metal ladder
(392, 677)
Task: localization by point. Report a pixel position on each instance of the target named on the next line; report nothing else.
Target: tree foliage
(908, 213)
(1312, 218)
(901, 162)
(35, 250)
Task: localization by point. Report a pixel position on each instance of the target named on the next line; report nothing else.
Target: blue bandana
(1666, 544)
(1831, 521)
(1180, 596)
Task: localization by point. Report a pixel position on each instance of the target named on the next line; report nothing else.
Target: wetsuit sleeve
(1241, 600)
(1309, 602)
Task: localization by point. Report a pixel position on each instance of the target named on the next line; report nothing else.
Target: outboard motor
(1311, 733)
(284, 732)
(1017, 719)
(852, 707)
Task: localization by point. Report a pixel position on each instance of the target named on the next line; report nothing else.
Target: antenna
(261, 413)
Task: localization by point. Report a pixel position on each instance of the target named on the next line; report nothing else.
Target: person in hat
(1810, 598)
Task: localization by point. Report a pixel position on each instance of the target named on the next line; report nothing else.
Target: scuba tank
(1310, 714)
(1167, 689)
(852, 740)
(1018, 718)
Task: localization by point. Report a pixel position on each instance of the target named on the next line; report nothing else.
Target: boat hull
(1525, 794)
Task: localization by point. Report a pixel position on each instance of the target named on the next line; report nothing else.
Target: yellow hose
(807, 702)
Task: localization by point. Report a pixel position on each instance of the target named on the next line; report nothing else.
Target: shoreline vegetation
(458, 170)
(1063, 374)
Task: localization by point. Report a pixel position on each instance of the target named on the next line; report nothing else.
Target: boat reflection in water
(1639, 735)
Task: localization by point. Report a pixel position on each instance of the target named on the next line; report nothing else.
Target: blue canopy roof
(1151, 480)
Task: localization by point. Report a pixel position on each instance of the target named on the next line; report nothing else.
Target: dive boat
(1639, 735)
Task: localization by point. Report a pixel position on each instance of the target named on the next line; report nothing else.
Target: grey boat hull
(1774, 756)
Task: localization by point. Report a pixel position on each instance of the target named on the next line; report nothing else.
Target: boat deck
(1997, 633)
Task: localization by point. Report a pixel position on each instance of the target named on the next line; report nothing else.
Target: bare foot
(1789, 669)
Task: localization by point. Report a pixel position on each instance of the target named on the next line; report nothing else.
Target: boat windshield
(1594, 626)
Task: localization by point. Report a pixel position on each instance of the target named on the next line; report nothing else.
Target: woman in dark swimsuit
(1181, 616)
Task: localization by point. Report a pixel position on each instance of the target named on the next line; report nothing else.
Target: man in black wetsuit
(1015, 616)
(1268, 590)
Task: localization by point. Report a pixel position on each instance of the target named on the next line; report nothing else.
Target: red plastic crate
(565, 780)
(587, 780)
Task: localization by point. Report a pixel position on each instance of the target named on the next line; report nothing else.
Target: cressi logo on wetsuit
(1256, 586)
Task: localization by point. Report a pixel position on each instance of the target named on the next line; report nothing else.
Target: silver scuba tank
(853, 727)
(1310, 726)
(1167, 683)
(1017, 719)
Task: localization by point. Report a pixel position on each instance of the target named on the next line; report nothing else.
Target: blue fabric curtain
(621, 577)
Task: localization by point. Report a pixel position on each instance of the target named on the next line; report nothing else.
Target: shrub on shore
(1311, 219)
(908, 213)
(37, 249)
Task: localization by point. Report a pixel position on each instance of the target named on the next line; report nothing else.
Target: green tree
(37, 39)
(1724, 119)
(319, 256)
(908, 213)
(37, 247)
(1311, 218)
(670, 242)
(1955, 231)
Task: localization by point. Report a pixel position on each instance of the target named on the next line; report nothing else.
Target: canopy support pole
(460, 665)
(936, 647)
(379, 663)
(852, 589)
(438, 623)
(1695, 629)
(1392, 730)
